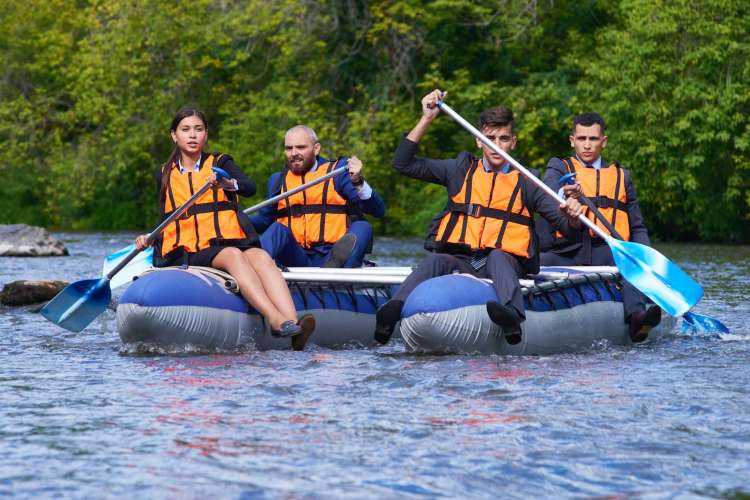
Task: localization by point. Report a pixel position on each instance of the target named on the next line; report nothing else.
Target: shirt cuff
(364, 191)
(235, 186)
(561, 193)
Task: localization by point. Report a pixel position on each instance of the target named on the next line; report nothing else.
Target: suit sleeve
(555, 170)
(266, 215)
(245, 187)
(638, 231)
(373, 205)
(549, 208)
(406, 162)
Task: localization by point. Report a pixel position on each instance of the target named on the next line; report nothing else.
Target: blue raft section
(566, 312)
(188, 307)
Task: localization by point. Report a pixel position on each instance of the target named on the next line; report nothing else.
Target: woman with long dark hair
(215, 232)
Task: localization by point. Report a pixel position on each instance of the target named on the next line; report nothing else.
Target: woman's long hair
(166, 169)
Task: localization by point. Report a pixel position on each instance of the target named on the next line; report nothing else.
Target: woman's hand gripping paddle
(646, 269)
(145, 260)
(79, 303)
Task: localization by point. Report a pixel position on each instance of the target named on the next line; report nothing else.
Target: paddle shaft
(278, 197)
(131, 255)
(590, 204)
(158, 229)
(479, 135)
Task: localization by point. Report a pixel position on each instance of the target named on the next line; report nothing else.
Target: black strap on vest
(501, 234)
(217, 228)
(297, 210)
(617, 195)
(323, 208)
(177, 222)
(454, 214)
(283, 189)
(467, 197)
(475, 210)
(606, 202)
(204, 208)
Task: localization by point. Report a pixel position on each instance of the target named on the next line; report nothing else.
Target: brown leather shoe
(307, 324)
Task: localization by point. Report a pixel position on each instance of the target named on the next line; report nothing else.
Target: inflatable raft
(567, 310)
(202, 307)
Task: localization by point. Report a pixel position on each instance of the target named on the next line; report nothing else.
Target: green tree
(672, 79)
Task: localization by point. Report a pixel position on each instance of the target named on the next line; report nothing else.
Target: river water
(82, 417)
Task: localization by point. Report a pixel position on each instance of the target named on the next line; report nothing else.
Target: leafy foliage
(88, 89)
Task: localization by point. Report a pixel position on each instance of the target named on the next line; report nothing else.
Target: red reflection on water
(478, 419)
(482, 371)
(211, 445)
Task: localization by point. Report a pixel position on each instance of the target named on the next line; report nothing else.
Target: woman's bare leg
(233, 261)
(273, 281)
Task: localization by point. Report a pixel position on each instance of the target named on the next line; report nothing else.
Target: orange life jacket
(487, 213)
(317, 214)
(605, 187)
(210, 221)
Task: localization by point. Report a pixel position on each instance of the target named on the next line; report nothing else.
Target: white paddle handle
(271, 201)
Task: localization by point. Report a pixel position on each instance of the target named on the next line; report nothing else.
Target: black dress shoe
(507, 318)
(288, 328)
(307, 324)
(386, 318)
(642, 322)
(341, 250)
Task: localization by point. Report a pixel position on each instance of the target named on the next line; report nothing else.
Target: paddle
(145, 260)
(645, 268)
(78, 304)
(690, 320)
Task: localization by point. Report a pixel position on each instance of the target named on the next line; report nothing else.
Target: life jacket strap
(204, 208)
(297, 210)
(476, 210)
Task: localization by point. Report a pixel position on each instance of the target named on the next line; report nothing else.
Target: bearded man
(324, 224)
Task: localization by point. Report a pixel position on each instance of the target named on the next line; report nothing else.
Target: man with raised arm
(487, 226)
(324, 224)
(610, 189)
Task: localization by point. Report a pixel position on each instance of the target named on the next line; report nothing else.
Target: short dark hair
(588, 119)
(499, 116)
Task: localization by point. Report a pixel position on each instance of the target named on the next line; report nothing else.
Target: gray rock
(21, 240)
(19, 293)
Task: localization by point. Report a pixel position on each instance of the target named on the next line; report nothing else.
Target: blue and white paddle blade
(698, 323)
(78, 304)
(655, 276)
(140, 263)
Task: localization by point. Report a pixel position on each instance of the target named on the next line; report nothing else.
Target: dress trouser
(280, 244)
(601, 255)
(502, 268)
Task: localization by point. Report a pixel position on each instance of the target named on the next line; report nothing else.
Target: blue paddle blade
(697, 323)
(656, 276)
(135, 267)
(78, 304)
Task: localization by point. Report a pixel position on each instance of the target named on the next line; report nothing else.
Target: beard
(300, 165)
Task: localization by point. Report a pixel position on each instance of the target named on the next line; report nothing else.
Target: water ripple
(84, 416)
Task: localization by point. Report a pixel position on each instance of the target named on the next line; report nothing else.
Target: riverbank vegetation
(88, 89)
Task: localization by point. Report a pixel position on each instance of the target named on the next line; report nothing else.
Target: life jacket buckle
(473, 209)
